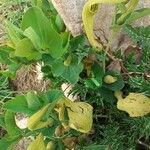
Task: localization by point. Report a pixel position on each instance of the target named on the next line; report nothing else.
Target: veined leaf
(2, 122)
(39, 30)
(15, 34)
(33, 101)
(18, 104)
(6, 144)
(10, 123)
(4, 55)
(25, 48)
(70, 72)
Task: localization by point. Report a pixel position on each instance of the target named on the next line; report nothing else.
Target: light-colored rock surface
(71, 10)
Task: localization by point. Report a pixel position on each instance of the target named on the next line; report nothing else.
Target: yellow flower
(88, 13)
(110, 79)
(50, 146)
(80, 115)
(34, 122)
(135, 104)
(37, 144)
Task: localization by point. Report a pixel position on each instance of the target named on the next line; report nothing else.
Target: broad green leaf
(49, 40)
(25, 48)
(33, 101)
(47, 59)
(11, 71)
(52, 95)
(6, 144)
(72, 72)
(2, 122)
(18, 104)
(10, 123)
(58, 67)
(4, 55)
(15, 34)
(59, 24)
(32, 35)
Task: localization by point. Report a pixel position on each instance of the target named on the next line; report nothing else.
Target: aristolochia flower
(135, 104)
(34, 122)
(80, 115)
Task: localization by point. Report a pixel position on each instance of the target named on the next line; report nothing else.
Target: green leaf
(4, 55)
(2, 122)
(53, 95)
(96, 147)
(7, 144)
(15, 34)
(41, 31)
(137, 14)
(59, 24)
(77, 41)
(32, 35)
(33, 101)
(58, 67)
(47, 59)
(10, 123)
(18, 104)
(11, 71)
(71, 72)
(97, 75)
(25, 48)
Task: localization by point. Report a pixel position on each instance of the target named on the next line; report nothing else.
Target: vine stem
(110, 41)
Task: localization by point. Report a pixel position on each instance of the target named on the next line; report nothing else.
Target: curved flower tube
(80, 115)
(88, 13)
(34, 122)
(91, 8)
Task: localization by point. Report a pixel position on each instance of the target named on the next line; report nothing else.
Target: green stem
(130, 9)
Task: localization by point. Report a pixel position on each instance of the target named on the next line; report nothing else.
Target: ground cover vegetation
(112, 86)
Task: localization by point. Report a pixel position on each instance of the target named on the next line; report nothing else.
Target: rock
(71, 10)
